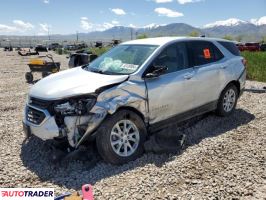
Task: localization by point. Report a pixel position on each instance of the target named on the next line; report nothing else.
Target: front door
(171, 93)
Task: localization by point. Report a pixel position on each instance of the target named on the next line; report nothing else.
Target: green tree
(263, 39)
(228, 37)
(194, 34)
(239, 38)
(142, 36)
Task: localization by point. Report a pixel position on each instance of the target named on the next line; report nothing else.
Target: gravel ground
(225, 158)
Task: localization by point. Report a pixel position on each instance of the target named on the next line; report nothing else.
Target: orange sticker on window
(207, 53)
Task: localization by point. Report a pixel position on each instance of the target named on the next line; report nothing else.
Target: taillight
(244, 61)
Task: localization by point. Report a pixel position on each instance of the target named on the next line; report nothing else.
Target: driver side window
(174, 57)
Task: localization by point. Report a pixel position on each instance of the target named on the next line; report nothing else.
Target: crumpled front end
(41, 123)
(78, 118)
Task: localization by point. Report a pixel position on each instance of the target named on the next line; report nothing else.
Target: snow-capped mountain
(228, 22)
(259, 22)
(151, 26)
(252, 30)
(236, 22)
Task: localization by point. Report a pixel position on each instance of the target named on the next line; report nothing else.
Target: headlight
(75, 106)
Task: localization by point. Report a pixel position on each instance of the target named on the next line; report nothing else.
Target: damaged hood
(72, 82)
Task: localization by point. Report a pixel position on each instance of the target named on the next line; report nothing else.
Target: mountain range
(235, 28)
(247, 31)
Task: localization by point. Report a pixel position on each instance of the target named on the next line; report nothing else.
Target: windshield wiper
(99, 71)
(96, 70)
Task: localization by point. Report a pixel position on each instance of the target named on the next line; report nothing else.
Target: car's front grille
(39, 103)
(34, 116)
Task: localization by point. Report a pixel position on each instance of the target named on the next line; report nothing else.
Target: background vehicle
(133, 90)
(82, 58)
(252, 46)
(54, 46)
(41, 48)
(263, 47)
(241, 46)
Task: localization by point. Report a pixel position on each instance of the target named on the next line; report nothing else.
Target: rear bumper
(242, 81)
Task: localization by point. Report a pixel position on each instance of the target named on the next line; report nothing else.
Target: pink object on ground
(87, 192)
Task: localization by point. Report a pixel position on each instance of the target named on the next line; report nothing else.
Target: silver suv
(133, 90)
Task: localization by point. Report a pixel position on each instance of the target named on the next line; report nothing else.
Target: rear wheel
(227, 101)
(29, 77)
(121, 137)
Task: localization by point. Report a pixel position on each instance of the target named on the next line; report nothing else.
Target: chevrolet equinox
(133, 90)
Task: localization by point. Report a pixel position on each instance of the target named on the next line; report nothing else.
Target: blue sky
(33, 17)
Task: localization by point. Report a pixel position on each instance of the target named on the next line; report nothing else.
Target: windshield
(123, 59)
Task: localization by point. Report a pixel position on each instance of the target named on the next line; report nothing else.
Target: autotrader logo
(26, 194)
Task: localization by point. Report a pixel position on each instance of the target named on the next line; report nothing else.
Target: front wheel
(121, 137)
(227, 101)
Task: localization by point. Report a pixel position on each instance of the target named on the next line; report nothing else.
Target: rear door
(207, 61)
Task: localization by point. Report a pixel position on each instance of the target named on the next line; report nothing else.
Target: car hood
(72, 82)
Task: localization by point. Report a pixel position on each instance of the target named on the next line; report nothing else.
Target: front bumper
(46, 129)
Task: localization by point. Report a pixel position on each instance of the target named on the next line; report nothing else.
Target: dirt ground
(225, 158)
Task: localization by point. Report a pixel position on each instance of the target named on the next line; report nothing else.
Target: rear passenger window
(174, 57)
(231, 47)
(203, 52)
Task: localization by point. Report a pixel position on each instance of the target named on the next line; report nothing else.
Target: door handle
(188, 76)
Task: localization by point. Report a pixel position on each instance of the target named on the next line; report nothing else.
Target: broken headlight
(75, 106)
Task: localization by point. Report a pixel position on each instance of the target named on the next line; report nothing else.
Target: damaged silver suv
(133, 90)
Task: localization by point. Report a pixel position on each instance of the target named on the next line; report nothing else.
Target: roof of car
(164, 40)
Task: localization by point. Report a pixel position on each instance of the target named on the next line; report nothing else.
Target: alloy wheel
(124, 138)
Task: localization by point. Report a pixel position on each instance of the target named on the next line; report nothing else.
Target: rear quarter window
(230, 47)
(203, 52)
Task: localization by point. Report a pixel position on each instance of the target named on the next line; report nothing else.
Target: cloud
(23, 26)
(44, 27)
(259, 22)
(162, 1)
(132, 26)
(115, 22)
(168, 12)
(188, 1)
(86, 25)
(18, 26)
(7, 29)
(118, 11)
(46, 1)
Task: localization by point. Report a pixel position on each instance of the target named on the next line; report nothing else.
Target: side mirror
(156, 72)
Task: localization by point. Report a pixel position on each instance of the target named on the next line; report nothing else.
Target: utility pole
(131, 33)
(48, 30)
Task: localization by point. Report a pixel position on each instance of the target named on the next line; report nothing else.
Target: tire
(227, 101)
(29, 77)
(116, 146)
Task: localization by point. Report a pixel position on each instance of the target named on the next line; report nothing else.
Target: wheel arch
(236, 83)
(141, 115)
